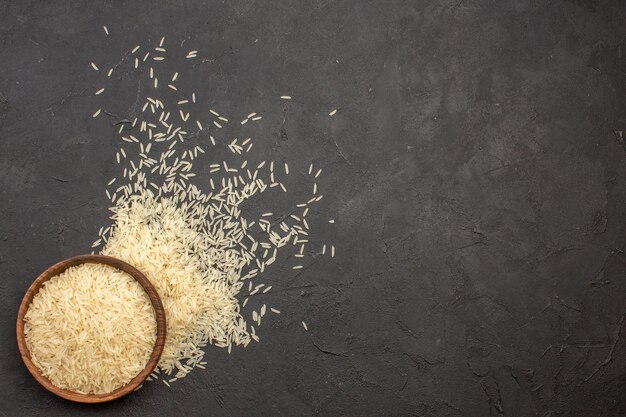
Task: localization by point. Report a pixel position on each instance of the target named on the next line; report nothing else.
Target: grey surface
(476, 170)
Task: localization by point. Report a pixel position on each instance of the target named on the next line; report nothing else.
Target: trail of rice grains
(192, 239)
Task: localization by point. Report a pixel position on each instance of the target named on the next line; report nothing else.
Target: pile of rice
(159, 238)
(90, 329)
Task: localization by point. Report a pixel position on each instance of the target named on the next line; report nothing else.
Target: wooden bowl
(55, 270)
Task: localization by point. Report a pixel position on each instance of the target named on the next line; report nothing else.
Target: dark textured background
(476, 169)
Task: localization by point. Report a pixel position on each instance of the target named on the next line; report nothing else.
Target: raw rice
(197, 246)
(90, 329)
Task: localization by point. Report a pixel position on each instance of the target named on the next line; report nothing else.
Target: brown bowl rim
(58, 268)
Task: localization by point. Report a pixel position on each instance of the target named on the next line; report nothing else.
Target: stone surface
(476, 169)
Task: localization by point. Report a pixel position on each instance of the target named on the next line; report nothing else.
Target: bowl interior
(56, 270)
